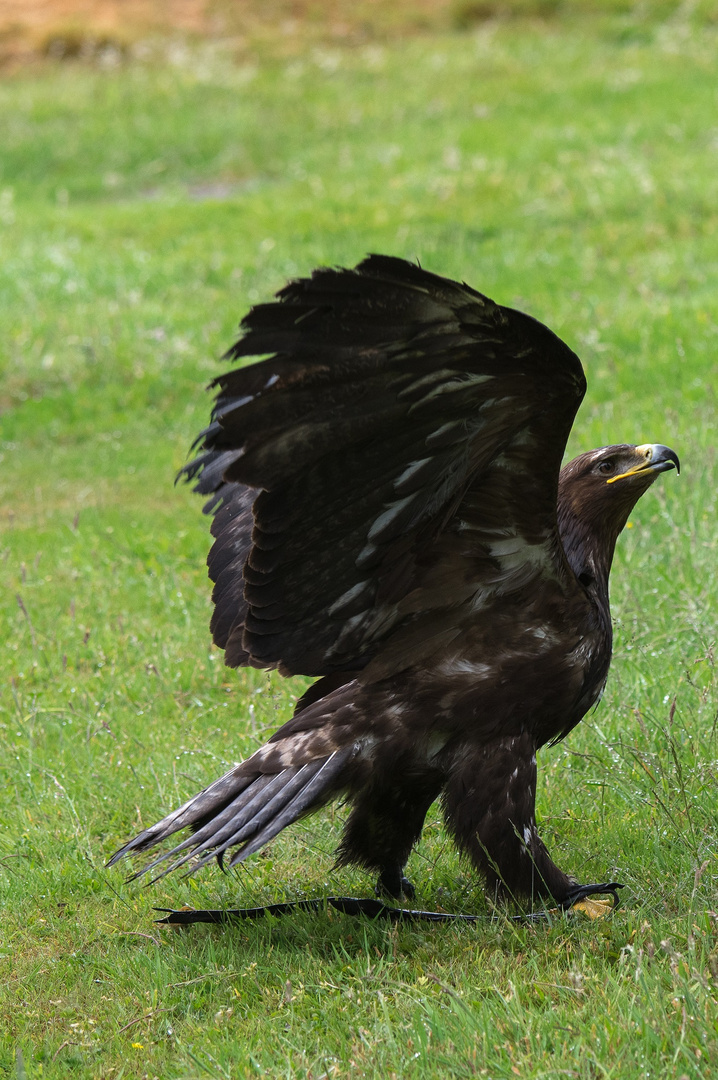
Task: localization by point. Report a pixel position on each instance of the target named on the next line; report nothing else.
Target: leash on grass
(376, 909)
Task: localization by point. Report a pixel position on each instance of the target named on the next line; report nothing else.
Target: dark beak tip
(668, 458)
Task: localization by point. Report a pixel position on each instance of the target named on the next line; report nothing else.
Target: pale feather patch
(520, 561)
(426, 380)
(411, 470)
(451, 386)
(346, 598)
(583, 651)
(461, 665)
(545, 635)
(302, 747)
(453, 426)
(364, 626)
(366, 554)
(389, 515)
(514, 550)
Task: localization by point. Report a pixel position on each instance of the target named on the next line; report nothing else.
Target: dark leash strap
(347, 905)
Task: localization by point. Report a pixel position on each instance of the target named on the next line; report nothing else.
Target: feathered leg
(386, 821)
(489, 806)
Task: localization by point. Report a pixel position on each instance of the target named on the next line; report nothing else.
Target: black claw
(393, 883)
(580, 892)
(408, 889)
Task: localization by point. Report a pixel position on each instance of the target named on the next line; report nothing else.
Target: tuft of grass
(568, 170)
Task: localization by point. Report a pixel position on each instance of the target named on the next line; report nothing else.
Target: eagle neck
(589, 547)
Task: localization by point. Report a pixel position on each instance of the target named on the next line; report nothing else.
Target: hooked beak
(653, 458)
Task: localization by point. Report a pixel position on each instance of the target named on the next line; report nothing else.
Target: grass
(568, 169)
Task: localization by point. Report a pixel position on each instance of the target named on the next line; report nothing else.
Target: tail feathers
(239, 809)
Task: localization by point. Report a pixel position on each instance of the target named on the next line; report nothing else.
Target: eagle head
(597, 492)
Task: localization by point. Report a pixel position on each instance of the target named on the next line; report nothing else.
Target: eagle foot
(392, 883)
(579, 893)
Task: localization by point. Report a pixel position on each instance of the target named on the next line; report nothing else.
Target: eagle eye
(607, 467)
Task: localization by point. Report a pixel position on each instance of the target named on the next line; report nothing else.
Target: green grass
(570, 170)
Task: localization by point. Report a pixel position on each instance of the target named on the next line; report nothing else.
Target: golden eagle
(391, 516)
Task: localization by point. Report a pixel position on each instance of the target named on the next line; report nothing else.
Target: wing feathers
(205, 805)
(391, 409)
(318, 788)
(241, 809)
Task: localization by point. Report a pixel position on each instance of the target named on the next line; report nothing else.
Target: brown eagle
(391, 516)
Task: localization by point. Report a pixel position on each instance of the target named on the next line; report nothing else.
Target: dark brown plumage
(390, 516)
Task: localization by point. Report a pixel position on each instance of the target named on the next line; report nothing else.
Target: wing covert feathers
(371, 474)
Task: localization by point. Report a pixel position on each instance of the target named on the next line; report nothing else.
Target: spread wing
(388, 470)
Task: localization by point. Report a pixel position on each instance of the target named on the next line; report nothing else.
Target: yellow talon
(595, 909)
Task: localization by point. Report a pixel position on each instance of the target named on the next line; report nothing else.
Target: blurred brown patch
(67, 29)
